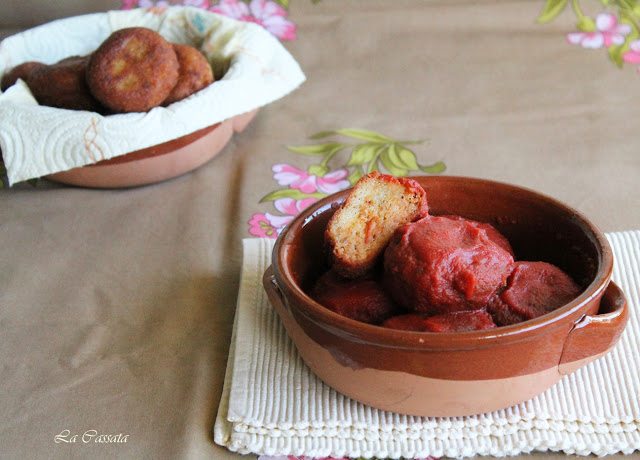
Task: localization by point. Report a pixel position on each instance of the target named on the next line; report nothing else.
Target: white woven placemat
(273, 404)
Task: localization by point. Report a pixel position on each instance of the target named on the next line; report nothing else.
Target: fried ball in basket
(133, 70)
(21, 71)
(63, 85)
(194, 73)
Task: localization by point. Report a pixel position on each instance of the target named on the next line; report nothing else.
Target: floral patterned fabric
(369, 151)
(269, 14)
(116, 306)
(617, 31)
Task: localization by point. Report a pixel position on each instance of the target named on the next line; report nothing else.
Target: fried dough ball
(358, 232)
(194, 73)
(133, 70)
(21, 71)
(63, 85)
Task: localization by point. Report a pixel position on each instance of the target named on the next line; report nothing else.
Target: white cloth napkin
(37, 140)
(273, 404)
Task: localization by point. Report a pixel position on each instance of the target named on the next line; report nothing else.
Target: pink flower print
(633, 55)
(152, 3)
(204, 4)
(292, 207)
(129, 4)
(233, 9)
(608, 33)
(264, 12)
(294, 178)
(334, 181)
(309, 183)
(273, 18)
(268, 225)
(260, 225)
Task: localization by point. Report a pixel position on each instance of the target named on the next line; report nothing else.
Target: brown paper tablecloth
(116, 306)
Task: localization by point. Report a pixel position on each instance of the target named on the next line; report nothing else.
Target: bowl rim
(381, 336)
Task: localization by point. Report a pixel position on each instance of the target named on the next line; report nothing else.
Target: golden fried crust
(63, 85)
(194, 74)
(359, 231)
(21, 71)
(133, 70)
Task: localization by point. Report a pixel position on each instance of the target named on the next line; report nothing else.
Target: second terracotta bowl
(159, 162)
(455, 374)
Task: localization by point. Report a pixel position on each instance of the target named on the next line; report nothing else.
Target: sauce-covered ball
(362, 299)
(440, 265)
(492, 233)
(457, 321)
(533, 289)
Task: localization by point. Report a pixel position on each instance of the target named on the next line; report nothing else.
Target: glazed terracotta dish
(463, 373)
(158, 163)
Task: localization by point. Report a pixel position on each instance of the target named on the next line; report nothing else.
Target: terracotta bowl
(455, 374)
(157, 163)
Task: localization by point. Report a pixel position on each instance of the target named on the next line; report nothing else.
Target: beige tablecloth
(117, 306)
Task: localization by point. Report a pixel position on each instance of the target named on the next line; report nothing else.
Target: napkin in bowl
(273, 404)
(37, 140)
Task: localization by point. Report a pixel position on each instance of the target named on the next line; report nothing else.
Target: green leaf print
(627, 12)
(364, 135)
(391, 166)
(436, 168)
(317, 149)
(291, 193)
(371, 151)
(363, 154)
(355, 175)
(333, 171)
(402, 157)
(616, 52)
(552, 8)
(586, 24)
(322, 135)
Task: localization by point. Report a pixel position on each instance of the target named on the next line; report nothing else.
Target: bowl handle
(594, 336)
(273, 290)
